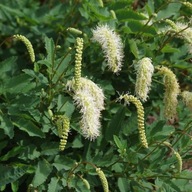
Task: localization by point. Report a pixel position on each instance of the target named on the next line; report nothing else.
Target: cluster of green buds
(172, 91)
(103, 179)
(140, 117)
(78, 59)
(177, 155)
(63, 125)
(27, 44)
(187, 98)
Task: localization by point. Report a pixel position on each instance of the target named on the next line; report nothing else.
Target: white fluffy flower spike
(145, 71)
(112, 46)
(89, 98)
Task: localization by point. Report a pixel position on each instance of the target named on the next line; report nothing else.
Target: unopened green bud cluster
(103, 180)
(78, 59)
(177, 155)
(86, 183)
(63, 125)
(140, 117)
(179, 160)
(172, 90)
(187, 98)
(27, 44)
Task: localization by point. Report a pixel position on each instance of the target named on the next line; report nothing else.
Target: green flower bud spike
(63, 125)
(177, 155)
(78, 59)
(28, 45)
(86, 183)
(179, 160)
(172, 24)
(103, 180)
(100, 2)
(187, 98)
(113, 14)
(187, 4)
(74, 31)
(140, 117)
(172, 90)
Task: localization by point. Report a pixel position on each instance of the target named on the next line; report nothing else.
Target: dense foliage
(42, 147)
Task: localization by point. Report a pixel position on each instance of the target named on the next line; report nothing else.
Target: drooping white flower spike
(89, 98)
(111, 44)
(145, 71)
(172, 90)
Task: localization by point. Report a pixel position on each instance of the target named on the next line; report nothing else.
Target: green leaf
(50, 148)
(53, 184)
(50, 47)
(3, 144)
(29, 152)
(161, 131)
(15, 186)
(60, 67)
(7, 126)
(7, 67)
(134, 26)
(120, 4)
(63, 162)
(116, 124)
(19, 84)
(43, 170)
(150, 7)
(134, 48)
(170, 10)
(11, 174)
(118, 142)
(65, 105)
(29, 127)
(127, 14)
(38, 76)
(169, 49)
(123, 185)
(12, 153)
(100, 14)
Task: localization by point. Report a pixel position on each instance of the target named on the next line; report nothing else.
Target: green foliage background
(29, 143)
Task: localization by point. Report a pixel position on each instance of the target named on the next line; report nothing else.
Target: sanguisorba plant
(107, 107)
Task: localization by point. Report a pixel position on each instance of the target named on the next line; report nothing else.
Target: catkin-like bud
(140, 117)
(27, 44)
(145, 71)
(30, 188)
(179, 160)
(74, 31)
(187, 4)
(100, 2)
(86, 183)
(50, 112)
(63, 125)
(167, 144)
(113, 14)
(78, 59)
(187, 98)
(172, 24)
(172, 90)
(112, 46)
(103, 180)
